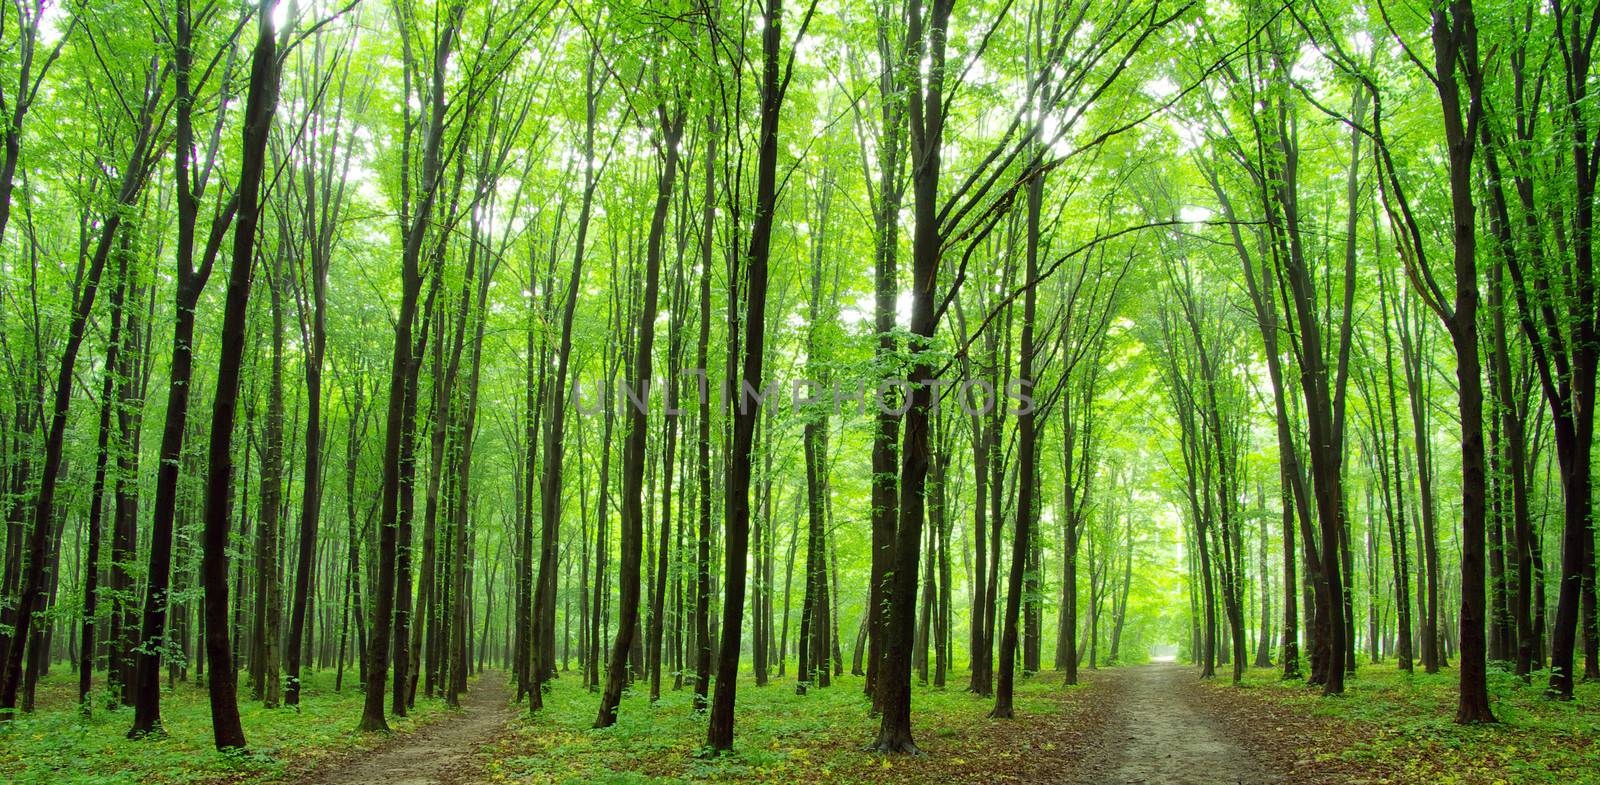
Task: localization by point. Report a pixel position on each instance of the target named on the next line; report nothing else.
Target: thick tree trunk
(741, 454)
(1455, 44)
(885, 461)
(926, 112)
(190, 282)
(719, 734)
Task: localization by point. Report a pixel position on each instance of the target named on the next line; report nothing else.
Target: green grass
(56, 745)
(781, 737)
(1405, 724)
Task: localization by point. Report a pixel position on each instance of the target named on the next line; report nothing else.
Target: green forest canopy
(1264, 332)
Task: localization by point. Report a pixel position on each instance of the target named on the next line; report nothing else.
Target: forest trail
(443, 751)
(1158, 731)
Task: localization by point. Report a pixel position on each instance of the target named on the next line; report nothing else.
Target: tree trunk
(1455, 46)
(91, 567)
(260, 103)
(672, 129)
(719, 734)
(269, 593)
(1027, 462)
(886, 217)
(633, 460)
(414, 233)
(702, 581)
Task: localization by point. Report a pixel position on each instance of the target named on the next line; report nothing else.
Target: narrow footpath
(1157, 731)
(443, 752)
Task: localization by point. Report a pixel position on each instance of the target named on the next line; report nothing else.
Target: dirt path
(1158, 731)
(443, 751)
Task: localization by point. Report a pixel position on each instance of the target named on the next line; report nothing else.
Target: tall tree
(91, 566)
(1455, 50)
(322, 198)
(34, 593)
(736, 547)
(701, 632)
(415, 221)
(191, 182)
(543, 622)
(669, 130)
(261, 101)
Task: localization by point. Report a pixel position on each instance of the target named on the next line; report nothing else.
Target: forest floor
(1394, 727)
(57, 745)
(816, 738)
(1154, 723)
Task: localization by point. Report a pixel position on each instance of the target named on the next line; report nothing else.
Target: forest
(839, 391)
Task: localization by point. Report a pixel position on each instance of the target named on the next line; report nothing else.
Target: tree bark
(719, 734)
(633, 459)
(1455, 45)
(414, 232)
(702, 584)
(91, 567)
(1027, 461)
(260, 103)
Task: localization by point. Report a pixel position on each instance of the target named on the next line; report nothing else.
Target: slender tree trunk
(702, 581)
(543, 621)
(91, 568)
(633, 461)
(1027, 461)
(719, 734)
(311, 485)
(352, 581)
(414, 233)
(672, 130)
(260, 103)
